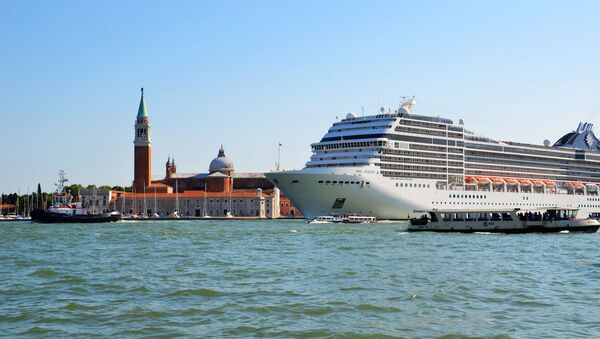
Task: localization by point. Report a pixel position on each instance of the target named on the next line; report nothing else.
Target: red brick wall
(142, 167)
(287, 209)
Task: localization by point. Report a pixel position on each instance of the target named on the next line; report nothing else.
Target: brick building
(219, 192)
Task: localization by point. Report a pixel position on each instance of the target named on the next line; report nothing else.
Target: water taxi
(537, 220)
(347, 219)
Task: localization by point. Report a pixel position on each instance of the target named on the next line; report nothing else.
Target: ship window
(396, 184)
(320, 181)
(327, 182)
(335, 182)
(346, 182)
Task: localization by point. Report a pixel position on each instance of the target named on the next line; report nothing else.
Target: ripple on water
(44, 272)
(203, 292)
(258, 279)
(80, 307)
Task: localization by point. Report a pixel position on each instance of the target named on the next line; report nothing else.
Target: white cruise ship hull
(363, 190)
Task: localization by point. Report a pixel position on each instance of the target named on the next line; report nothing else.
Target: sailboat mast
(230, 190)
(133, 200)
(176, 196)
(145, 202)
(204, 207)
(155, 209)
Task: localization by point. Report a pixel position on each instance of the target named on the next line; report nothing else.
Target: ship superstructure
(395, 162)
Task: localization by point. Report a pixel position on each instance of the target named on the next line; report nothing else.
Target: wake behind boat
(64, 210)
(538, 220)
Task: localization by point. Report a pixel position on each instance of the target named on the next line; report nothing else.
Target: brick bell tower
(143, 149)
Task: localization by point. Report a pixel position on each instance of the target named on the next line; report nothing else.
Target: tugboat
(64, 210)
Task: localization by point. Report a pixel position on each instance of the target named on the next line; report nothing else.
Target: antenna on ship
(406, 104)
(60, 185)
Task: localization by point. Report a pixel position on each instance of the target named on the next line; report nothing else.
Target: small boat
(64, 210)
(326, 219)
(538, 220)
(343, 218)
(359, 219)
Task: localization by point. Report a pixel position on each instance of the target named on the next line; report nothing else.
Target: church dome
(221, 163)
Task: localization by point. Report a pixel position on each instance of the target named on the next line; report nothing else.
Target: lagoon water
(292, 279)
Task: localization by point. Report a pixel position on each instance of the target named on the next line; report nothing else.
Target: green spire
(142, 111)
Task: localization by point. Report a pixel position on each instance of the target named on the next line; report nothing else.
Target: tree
(39, 202)
(74, 189)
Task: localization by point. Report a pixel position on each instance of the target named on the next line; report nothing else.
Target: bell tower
(142, 149)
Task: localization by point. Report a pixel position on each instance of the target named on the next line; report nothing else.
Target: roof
(218, 175)
(204, 175)
(157, 184)
(198, 195)
(142, 110)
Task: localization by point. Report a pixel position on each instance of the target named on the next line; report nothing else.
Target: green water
(292, 279)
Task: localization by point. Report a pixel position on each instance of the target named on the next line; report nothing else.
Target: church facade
(220, 192)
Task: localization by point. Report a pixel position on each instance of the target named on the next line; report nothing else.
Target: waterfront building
(99, 200)
(7, 208)
(220, 192)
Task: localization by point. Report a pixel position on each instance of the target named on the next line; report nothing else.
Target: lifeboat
(511, 181)
(470, 180)
(483, 180)
(591, 187)
(537, 182)
(574, 184)
(497, 181)
(549, 183)
(524, 181)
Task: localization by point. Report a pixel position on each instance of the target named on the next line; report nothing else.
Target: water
(292, 279)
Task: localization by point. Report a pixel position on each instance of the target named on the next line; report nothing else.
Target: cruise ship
(395, 162)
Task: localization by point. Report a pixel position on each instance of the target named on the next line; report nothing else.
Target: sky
(252, 74)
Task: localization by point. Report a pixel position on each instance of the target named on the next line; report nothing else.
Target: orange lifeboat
(574, 184)
(496, 180)
(537, 182)
(511, 181)
(549, 183)
(470, 180)
(483, 180)
(524, 181)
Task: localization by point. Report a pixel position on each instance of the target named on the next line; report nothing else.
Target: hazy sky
(250, 74)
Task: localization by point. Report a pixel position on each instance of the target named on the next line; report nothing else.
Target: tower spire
(142, 110)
